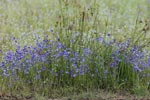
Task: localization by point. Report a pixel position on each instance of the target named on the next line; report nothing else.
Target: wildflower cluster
(100, 61)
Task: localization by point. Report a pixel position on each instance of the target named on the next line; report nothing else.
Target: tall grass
(52, 47)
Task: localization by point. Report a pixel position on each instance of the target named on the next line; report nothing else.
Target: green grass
(27, 16)
(125, 19)
(24, 18)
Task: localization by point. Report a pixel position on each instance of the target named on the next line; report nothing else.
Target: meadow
(58, 48)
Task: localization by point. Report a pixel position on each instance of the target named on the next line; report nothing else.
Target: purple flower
(100, 39)
(136, 67)
(148, 61)
(108, 34)
(9, 56)
(67, 72)
(37, 76)
(5, 72)
(87, 51)
(19, 54)
(134, 49)
(113, 64)
(59, 46)
(81, 72)
(74, 75)
(2, 64)
(105, 71)
(43, 68)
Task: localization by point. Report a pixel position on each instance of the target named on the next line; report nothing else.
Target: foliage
(85, 49)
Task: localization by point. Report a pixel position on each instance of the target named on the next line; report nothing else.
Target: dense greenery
(50, 47)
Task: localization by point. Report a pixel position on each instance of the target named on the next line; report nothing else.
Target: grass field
(58, 48)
